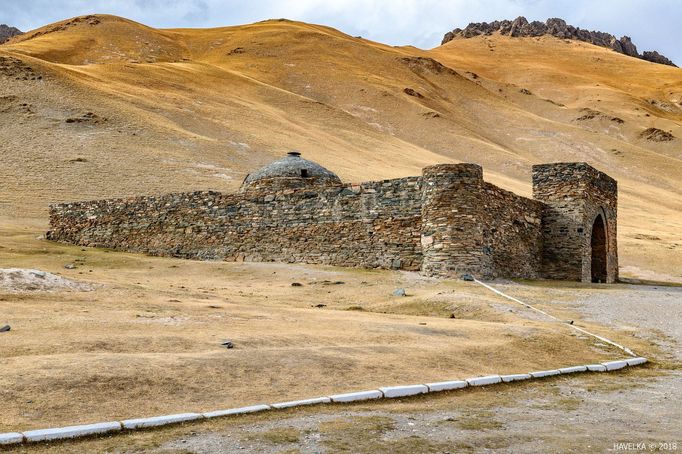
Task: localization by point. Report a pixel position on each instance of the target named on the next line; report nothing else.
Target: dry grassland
(147, 340)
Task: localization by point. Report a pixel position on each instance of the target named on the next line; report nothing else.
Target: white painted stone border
(544, 373)
(391, 392)
(236, 411)
(572, 370)
(160, 420)
(11, 438)
(72, 431)
(515, 377)
(358, 396)
(447, 385)
(484, 381)
(388, 392)
(300, 403)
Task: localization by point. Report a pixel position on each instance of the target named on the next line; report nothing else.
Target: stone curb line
(571, 325)
(389, 392)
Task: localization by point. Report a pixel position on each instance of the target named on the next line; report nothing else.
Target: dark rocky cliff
(6, 32)
(555, 27)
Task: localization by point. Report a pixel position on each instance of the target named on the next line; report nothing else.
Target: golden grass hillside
(101, 106)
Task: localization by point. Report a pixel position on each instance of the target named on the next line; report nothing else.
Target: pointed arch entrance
(598, 246)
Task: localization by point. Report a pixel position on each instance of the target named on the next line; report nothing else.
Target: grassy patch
(438, 308)
(374, 444)
(479, 424)
(277, 436)
(359, 434)
(361, 425)
(409, 445)
(564, 403)
(648, 282)
(612, 386)
(478, 421)
(417, 307)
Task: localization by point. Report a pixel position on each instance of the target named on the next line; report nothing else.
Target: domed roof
(292, 166)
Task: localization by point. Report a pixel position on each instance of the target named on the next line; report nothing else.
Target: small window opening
(304, 173)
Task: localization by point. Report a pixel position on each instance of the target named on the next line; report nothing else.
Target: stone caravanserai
(444, 223)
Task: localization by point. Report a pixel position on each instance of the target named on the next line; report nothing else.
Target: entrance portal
(598, 243)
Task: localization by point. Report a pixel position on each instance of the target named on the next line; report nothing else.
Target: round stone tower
(452, 238)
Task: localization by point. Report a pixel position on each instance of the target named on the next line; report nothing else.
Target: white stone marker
(299, 403)
(483, 381)
(572, 370)
(160, 420)
(61, 433)
(11, 438)
(447, 385)
(544, 373)
(615, 365)
(596, 368)
(515, 377)
(353, 397)
(402, 391)
(236, 411)
(636, 361)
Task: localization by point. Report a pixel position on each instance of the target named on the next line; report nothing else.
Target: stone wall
(446, 223)
(375, 224)
(574, 194)
(601, 199)
(470, 226)
(512, 233)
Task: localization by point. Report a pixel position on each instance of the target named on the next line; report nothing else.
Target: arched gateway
(598, 246)
(579, 222)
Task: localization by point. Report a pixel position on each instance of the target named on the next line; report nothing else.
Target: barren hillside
(101, 106)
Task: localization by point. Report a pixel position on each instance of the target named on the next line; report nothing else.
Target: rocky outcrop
(520, 27)
(656, 135)
(655, 57)
(6, 32)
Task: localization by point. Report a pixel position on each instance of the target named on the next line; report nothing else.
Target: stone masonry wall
(574, 194)
(601, 198)
(470, 226)
(375, 224)
(446, 223)
(512, 232)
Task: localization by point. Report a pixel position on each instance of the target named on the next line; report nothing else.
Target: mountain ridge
(520, 27)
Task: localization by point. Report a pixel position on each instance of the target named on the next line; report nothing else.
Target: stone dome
(291, 170)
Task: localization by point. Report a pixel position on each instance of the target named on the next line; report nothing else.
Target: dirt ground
(580, 413)
(145, 340)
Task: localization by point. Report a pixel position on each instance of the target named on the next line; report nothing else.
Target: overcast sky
(652, 24)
